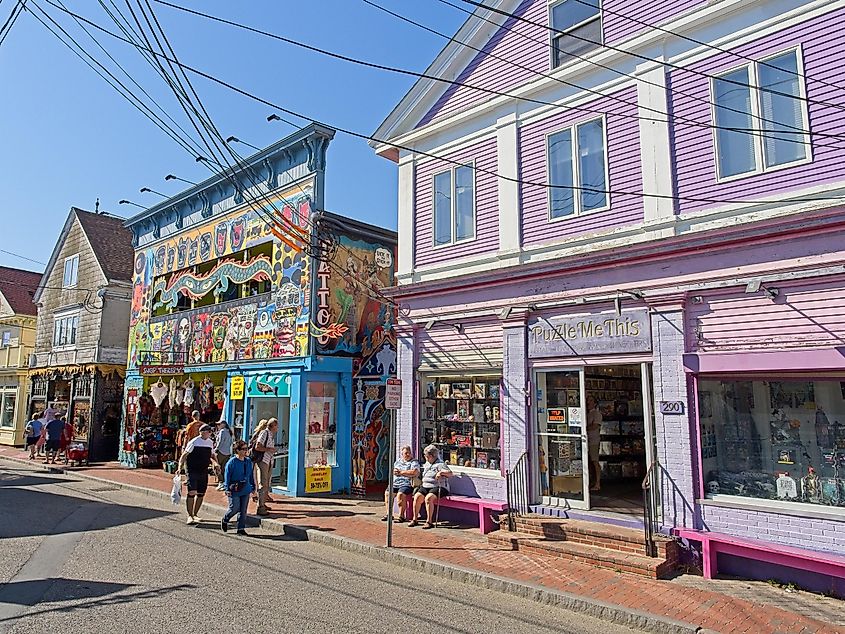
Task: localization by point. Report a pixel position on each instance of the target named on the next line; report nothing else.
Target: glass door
(278, 408)
(561, 438)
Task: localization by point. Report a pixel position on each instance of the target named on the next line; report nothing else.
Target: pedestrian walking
(222, 451)
(66, 438)
(255, 458)
(54, 430)
(196, 458)
(238, 482)
(33, 434)
(193, 428)
(265, 444)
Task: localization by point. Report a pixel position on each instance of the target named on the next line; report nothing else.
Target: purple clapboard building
(621, 269)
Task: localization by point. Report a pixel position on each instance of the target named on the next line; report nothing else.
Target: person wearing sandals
(239, 482)
(404, 469)
(435, 473)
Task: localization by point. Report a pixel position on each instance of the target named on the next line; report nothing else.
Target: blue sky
(68, 138)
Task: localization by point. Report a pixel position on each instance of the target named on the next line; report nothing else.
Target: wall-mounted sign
(393, 396)
(671, 407)
(238, 384)
(271, 385)
(587, 335)
(161, 370)
(318, 479)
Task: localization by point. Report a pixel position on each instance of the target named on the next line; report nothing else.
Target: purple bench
(483, 506)
(714, 543)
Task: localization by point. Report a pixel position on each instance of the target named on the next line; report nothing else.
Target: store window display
(774, 439)
(461, 416)
(321, 434)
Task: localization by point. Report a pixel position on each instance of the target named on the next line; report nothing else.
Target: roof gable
(492, 33)
(18, 288)
(111, 242)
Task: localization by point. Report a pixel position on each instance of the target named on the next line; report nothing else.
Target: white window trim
(59, 317)
(453, 242)
(64, 269)
(5, 393)
(576, 171)
(756, 120)
(554, 34)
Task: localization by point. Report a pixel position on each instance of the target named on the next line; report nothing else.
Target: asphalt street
(83, 556)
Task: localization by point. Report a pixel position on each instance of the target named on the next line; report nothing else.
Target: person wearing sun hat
(196, 458)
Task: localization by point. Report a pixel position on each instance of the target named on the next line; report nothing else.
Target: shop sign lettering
(671, 407)
(324, 316)
(237, 385)
(318, 479)
(584, 335)
(149, 370)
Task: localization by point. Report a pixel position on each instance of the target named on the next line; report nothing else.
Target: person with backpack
(239, 482)
(262, 454)
(33, 433)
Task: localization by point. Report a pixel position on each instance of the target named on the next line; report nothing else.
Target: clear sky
(67, 138)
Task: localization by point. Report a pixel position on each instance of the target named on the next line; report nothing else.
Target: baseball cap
(205, 428)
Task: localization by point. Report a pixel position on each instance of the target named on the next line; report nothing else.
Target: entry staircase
(593, 543)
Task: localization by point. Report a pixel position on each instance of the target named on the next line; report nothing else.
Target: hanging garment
(189, 392)
(171, 394)
(159, 392)
(180, 395)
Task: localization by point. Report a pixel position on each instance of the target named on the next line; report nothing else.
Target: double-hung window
(454, 205)
(576, 28)
(64, 330)
(578, 170)
(71, 271)
(760, 115)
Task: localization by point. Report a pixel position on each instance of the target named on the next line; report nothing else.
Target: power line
(664, 117)
(22, 257)
(574, 36)
(10, 21)
(443, 159)
(720, 49)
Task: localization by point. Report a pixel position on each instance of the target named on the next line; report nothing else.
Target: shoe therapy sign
(580, 335)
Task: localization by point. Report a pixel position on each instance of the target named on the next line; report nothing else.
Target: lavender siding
(824, 57)
(486, 240)
(623, 162)
(526, 47)
(805, 315)
(618, 24)
(518, 41)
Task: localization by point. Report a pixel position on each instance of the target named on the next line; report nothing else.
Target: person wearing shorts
(33, 433)
(55, 429)
(197, 457)
(404, 469)
(435, 474)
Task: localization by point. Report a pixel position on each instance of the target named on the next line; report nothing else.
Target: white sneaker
(197, 519)
(191, 520)
(221, 487)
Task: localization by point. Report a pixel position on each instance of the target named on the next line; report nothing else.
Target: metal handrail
(649, 511)
(516, 480)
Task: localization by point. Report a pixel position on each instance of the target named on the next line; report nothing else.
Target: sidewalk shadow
(7, 480)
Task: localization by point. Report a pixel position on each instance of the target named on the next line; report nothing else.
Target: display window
(781, 440)
(321, 431)
(462, 417)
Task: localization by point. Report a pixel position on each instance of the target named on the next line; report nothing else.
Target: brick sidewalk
(693, 601)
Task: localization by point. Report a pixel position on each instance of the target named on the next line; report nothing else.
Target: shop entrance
(279, 408)
(594, 436)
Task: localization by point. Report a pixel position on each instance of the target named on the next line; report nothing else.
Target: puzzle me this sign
(584, 335)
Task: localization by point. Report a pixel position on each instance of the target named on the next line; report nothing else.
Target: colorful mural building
(251, 302)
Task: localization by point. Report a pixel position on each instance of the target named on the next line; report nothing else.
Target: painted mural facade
(269, 325)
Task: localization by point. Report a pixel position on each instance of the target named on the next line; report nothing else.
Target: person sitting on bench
(434, 486)
(404, 469)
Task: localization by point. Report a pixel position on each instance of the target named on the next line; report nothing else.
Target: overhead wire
(447, 160)
(547, 27)
(664, 116)
(6, 28)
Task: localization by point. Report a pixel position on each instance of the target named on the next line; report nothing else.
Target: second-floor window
(454, 205)
(577, 170)
(7, 338)
(71, 271)
(577, 29)
(761, 114)
(64, 330)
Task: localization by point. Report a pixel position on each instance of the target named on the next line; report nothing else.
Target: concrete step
(610, 536)
(639, 564)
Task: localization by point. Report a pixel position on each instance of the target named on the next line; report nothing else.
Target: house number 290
(671, 407)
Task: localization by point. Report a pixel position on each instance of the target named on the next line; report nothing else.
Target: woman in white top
(434, 475)
(222, 450)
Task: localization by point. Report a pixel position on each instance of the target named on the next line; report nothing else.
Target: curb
(632, 618)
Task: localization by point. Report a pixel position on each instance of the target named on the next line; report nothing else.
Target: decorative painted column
(676, 445)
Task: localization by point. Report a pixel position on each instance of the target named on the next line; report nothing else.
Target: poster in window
(443, 390)
(462, 390)
(480, 390)
(705, 405)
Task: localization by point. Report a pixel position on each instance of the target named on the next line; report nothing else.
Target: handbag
(240, 485)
